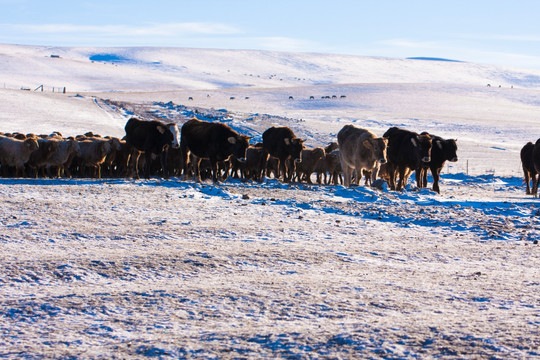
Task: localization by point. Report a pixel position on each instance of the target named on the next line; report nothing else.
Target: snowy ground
(172, 269)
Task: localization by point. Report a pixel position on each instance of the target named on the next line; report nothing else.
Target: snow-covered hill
(151, 69)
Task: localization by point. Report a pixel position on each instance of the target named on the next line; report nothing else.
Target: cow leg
(163, 160)
(134, 166)
(424, 177)
(527, 180)
(282, 169)
(374, 175)
(436, 177)
(418, 177)
(148, 165)
(214, 169)
(402, 182)
(196, 168)
(391, 176)
(347, 175)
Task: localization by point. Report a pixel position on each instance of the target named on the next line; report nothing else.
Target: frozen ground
(174, 269)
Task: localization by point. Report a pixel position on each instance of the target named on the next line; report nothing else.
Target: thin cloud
(171, 29)
(501, 37)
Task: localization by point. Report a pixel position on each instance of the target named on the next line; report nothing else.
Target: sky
(489, 32)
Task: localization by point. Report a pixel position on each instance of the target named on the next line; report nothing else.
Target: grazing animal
(330, 166)
(441, 151)
(308, 162)
(93, 152)
(253, 165)
(284, 145)
(38, 159)
(536, 162)
(212, 141)
(407, 151)
(151, 137)
(529, 172)
(67, 150)
(15, 152)
(360, 149)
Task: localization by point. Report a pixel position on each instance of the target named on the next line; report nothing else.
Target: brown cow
(360, 149)
(253, 166)
(309, 159)
(529, 172)
(67, 149)
(285, 146)
(536, 162)
(38, 159)
(93, 154)
(14, 152)
(407, 151)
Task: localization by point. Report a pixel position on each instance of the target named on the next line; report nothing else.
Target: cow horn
(413, 140)
(161, 129)
(287, 141)
(367, 144)
(232, 140)
(439, 144)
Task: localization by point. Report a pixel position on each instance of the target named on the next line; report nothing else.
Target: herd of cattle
(201, 150)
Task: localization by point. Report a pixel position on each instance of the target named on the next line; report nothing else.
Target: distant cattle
(536, 162)
(360, 149)
(16, 153)
(285, 146)
(441, 151)
(407, 151)
(151, 137)
(529, 171)
(212, 141)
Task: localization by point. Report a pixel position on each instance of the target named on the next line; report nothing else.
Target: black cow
(151, 137)
(536, 162)
(529, 171)
(212, 141)
(285, 146)
(441, 151)
(407, 151)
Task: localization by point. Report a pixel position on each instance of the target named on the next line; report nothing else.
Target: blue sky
(491, 32)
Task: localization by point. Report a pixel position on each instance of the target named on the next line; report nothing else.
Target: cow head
(378, 146)
(31, 144)
(176, 135)
(74, 147)
(104, 148)
(294, 147)
(423, 144)
(449, 149)
(115, 144)
(238, 145)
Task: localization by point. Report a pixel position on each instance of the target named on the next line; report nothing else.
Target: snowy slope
(147, 69)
